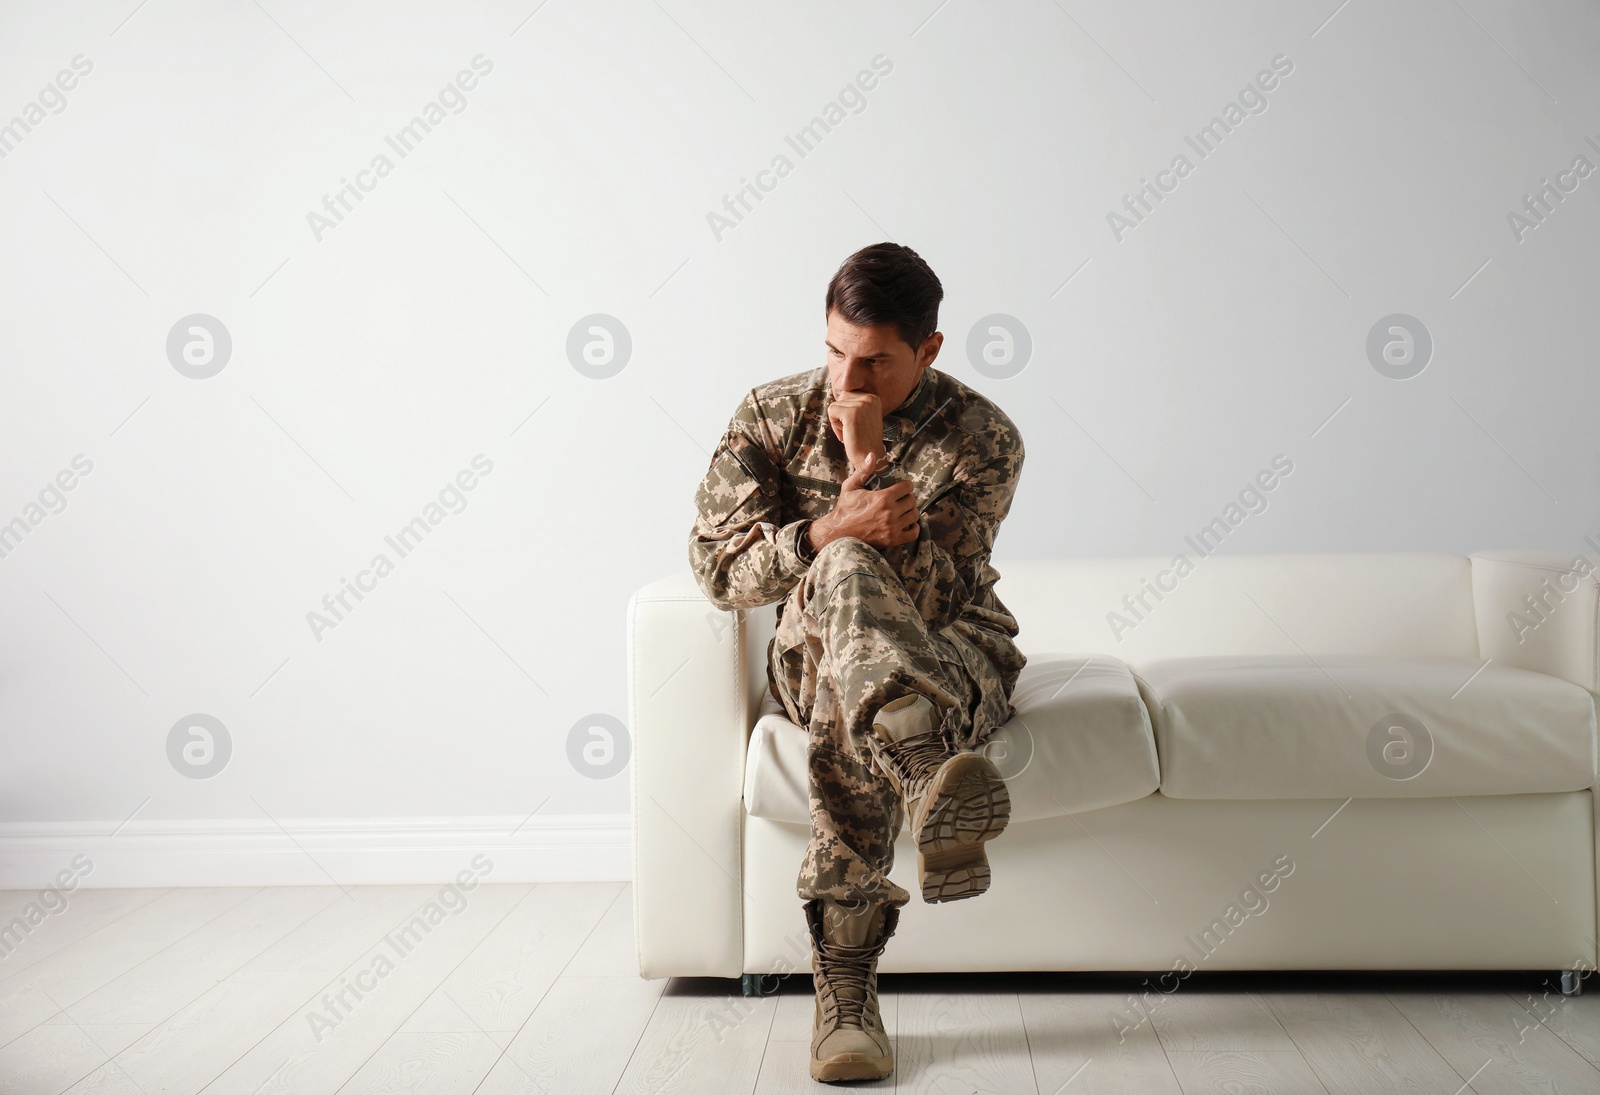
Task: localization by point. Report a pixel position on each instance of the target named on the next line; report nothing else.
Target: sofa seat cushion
(1369, 727)
(1080, 740)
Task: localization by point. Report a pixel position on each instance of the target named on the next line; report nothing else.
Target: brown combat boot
(956, 801)
(848, 1041)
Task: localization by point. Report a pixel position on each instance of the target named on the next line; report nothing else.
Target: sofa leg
(750, 983)
(1571, 983)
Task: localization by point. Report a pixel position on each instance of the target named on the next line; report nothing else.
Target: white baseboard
(316, 851)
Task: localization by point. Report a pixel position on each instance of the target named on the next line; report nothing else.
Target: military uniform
(858, 625)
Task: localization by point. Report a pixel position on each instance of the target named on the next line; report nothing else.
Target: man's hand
(882, 518)
(857, 420)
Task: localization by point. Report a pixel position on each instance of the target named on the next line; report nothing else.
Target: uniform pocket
(755, 461)
(813, 497)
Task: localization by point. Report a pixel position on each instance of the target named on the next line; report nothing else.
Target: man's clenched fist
(882, 518)
(857, 421)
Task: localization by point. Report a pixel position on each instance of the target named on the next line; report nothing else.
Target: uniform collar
(913, 410)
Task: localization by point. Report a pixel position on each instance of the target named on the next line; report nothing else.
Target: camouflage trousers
(848, 641)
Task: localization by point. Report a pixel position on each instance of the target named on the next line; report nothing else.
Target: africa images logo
(852, 99)
(452, 99)
(1252, 99)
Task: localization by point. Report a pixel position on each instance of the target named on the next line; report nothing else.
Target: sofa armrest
(1540, 611)
(694, 681)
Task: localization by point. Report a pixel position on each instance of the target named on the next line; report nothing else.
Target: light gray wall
(373, 359)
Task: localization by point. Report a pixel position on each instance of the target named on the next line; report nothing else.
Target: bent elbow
(735, 601)
(716, 589)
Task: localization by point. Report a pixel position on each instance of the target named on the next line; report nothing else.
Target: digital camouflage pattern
(859, 626)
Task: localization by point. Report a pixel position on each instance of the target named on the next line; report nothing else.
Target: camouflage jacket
(779, 465)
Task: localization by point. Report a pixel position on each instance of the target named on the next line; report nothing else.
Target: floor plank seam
(487, 932)
(24, 969)
(61, 1009)
(621, 888)
(112, 1059)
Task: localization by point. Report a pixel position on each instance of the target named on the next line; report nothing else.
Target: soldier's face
(876, 360)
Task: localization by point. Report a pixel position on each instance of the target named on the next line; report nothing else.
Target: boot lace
(916, 760)
(848, 985)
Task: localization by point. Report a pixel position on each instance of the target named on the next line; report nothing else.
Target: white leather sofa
(1309, 761)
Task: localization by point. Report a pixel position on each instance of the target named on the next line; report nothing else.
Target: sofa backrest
(1142, 609)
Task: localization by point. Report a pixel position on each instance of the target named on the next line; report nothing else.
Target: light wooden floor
(533, 988)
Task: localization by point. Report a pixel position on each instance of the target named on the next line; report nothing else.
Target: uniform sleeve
(945, 567)
(741, 552)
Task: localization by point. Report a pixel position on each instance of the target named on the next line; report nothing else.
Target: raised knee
(845, 554)
(844, 563)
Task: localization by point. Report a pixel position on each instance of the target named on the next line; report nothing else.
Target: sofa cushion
(1331, 727)
(1080, 740)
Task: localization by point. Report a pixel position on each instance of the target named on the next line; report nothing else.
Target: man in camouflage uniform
(865, 495)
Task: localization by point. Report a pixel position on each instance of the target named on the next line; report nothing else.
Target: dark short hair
(883, 284)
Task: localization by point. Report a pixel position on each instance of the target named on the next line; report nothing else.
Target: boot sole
(851, 1066)
(968, 806)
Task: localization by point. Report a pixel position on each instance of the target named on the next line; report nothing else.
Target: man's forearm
(748, 567)
(818, 535)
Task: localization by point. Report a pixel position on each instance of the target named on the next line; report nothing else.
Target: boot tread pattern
(968, 805)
